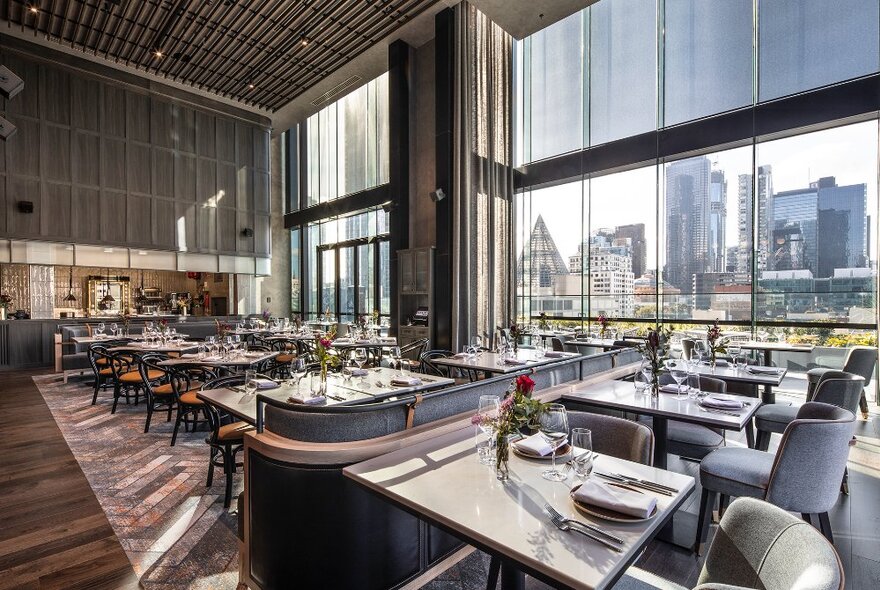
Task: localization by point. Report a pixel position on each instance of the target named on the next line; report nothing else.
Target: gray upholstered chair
(837, 388)
(860, 360)
(616, 437)
(558, 344)
(804, 476)
(687, 347)
(758, 546)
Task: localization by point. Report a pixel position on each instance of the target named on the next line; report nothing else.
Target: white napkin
(554, 354)
(514, 362)
(762, 370)
(189, 355)
(536, 444)
(211, 358)
(673, 388)
(616, 499)
(718, 363)
(342, 340)
(358, 372)
(721, 402)
(312, 401)
(265, 384)
(364, 341)
(406, 381)
(460, 355)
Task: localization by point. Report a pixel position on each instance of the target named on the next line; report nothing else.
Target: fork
(556, 514)
(563, 526)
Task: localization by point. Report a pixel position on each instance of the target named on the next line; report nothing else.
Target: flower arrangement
(162, 325)
(543, 324)
(515, 335)
(716, 343)
(323, 344)
(126, 321)
(604, 324)
(362, 322)
(5, 301)
(655, 351)
(223, 329)
(376, 317)
(518, 410)
(266, 315)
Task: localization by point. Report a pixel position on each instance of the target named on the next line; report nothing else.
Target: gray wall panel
(113, 113)
(226, 229)
(86, 160)
(112, 217)
(163, 224)
(55, 99)
(85, 104)
(185, 125)
(184, 177)
(113, 164)
(56, 153)
(85, 214)
(137, 122)
(24, 151)
(56, 203)
(140, 220)
(23, 189)
(163, 173)
(139, 167)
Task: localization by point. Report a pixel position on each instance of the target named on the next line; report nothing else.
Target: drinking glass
(114, 328)
(487, 410)
(298, 370)
(678, 371)
(582, 454)
(316, 384)
(693, 383)
(100, 328)
(477, 343)
(396, 356)
(640, 382)
(554, 428)
(734, 352)
(346, 371)
(201, 351)
(250, 382)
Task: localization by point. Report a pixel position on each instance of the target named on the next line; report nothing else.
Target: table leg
(660, 429)
(769, 397)
(512, 578)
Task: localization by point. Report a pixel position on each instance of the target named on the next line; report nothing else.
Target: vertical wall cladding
(112, 164)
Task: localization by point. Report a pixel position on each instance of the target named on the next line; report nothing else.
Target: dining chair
(861, 361)
(186, 383)
(431, 368)
(226, 438)
(99, 360)
(558, 344)
(159, 392)
(804, 476)
(687, 348)
(127, 380)
(837, 388)
(758, 545)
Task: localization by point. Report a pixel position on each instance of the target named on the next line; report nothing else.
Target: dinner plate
(605, 513)
(560, 452)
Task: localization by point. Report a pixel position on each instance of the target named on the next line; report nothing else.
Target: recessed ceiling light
(158, 54)
(303, 40)
(251, 86)
(33, 9)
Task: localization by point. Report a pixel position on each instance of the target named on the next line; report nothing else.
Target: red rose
(525, 384)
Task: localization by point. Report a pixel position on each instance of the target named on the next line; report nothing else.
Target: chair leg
(863, 405)
(211, 467)
(494, 568)
(97, 387)
(723, 503)
(750, 434)
(170, 407)
(707, 503)
(177, 425)
(149, 417)
(229, 468)
(116, 394)
(763, 442)
(844, 485)
(808, 518)
(825, 526)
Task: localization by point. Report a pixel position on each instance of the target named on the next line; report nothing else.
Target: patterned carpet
(172, 526)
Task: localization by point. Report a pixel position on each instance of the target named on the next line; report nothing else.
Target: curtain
(483, 176)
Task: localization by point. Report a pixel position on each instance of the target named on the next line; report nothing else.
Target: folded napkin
(722, 402)
(364, 341)
(514, 362)
(762, 370)
(554, 354)
(673, 388)
(406, 381)
(265, 384)
(616, 499)
(312, 401)
(359, 372)
(718, 363)
(536, 444)
(388, 340)
(460, 355)
(189, 355)
(342, 341)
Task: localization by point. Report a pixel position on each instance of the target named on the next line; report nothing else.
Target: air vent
(336, 90)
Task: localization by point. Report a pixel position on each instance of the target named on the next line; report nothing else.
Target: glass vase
(502, 456)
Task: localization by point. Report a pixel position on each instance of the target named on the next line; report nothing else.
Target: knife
(645, 486)
(647, 483)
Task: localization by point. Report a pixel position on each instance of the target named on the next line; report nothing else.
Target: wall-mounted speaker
(10, 84)
(7, 129)
(438, 195)
(25, 206)
(247, 232)
(388, 206)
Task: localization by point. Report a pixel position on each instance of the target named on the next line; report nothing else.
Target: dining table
(605, 344)
(233, 361)
(179, 347)
(767, 349)
(766, 377)
(494, 363)
(442, 482)
(375, 385)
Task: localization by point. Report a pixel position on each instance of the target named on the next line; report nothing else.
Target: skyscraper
(687, 221)
(717, 221)
(794, 230)
(745, 247)
(635, 232)
(540, 260)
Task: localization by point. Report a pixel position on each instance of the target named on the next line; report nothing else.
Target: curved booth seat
(303, 523)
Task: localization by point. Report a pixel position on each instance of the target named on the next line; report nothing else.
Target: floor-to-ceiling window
(340, 264)
(628, 204)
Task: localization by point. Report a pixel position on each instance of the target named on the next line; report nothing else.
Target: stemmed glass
(250, 382)
(395, 354)
(114, 328)
(298, 370)
(678, 371)
(488, 410)
(734, 352)
(360, 359)
(554, 428)
(101, 327)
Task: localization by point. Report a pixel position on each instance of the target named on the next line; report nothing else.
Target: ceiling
(263, 53)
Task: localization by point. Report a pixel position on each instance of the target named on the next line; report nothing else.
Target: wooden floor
(53, 533)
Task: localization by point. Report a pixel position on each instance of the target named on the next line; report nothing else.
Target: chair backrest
(840, 389)
(687, 347)
(861, 361)
(759, 545)
(616, 437)
(811, 459)
(341, 330)
(557, 343)
(149, 361)
(432, 368)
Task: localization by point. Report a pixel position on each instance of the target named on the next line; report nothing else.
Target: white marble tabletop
(774, 346)
(234, 360)
(491, 362)
(755, 376)
(442, 481)
(153, 347)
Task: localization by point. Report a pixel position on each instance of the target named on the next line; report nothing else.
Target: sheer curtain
(483, 176)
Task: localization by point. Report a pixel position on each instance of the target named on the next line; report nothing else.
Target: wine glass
(554, 428)
(487, 410)
(360, 358)
(396, 356)
(101, 328)
(734, 352)
(250, 382)
(582, 460)
(113, 329)
(298, 370)
(678, 371)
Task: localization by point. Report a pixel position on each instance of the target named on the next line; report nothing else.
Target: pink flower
(476, 419)
(507, 404)
(326, 342)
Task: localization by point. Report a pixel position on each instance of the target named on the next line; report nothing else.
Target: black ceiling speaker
(7, 129)
(25, 206)
(438, 195)
(10, 84)
(247, 232)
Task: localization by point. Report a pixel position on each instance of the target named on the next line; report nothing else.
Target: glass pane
(328, 282)
(623, 69)
(707, 230)
(819, 264)
(708, 58)
(347, 284)
(295, 279)
(553, 76)
(366, 283)
(622, 244)
(804, 44)
(312, 240)
(384, 278)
